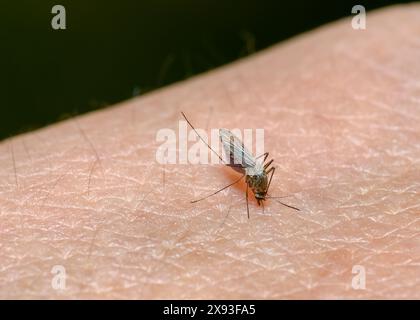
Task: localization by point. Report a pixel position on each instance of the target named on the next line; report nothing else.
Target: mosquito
(258, 175)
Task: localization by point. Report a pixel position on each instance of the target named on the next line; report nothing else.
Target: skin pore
(341, 111)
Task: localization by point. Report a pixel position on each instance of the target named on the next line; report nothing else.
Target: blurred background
(114, 50)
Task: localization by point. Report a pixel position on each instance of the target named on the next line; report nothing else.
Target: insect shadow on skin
(258, 175)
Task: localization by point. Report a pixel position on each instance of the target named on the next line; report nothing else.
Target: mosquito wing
(239, 156)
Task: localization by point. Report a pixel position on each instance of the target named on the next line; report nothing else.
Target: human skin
(340, 109)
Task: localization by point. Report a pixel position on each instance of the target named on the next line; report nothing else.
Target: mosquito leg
(286, 205)
(229, 185)
(268, 164)
(270, 197)
(265, 154)
(246, 196)
(272, 169)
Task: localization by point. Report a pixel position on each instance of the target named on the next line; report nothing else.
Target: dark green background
(114, 49)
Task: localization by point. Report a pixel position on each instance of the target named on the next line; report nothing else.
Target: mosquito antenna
(229, 185)
(286, 205)
(201, 137)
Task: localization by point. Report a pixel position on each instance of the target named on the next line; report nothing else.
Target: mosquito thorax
(257, 170)
(258, 183)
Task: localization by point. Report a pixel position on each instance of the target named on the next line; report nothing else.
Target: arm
(340, 109)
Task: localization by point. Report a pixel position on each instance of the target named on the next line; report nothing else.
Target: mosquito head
(260, 197)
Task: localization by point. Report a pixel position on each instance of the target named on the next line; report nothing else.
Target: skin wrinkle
(344, 143)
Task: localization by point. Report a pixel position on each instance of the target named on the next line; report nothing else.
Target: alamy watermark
(58, 281)
(59, 20)
(358, 281)
(185, 147)
(358, 22)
